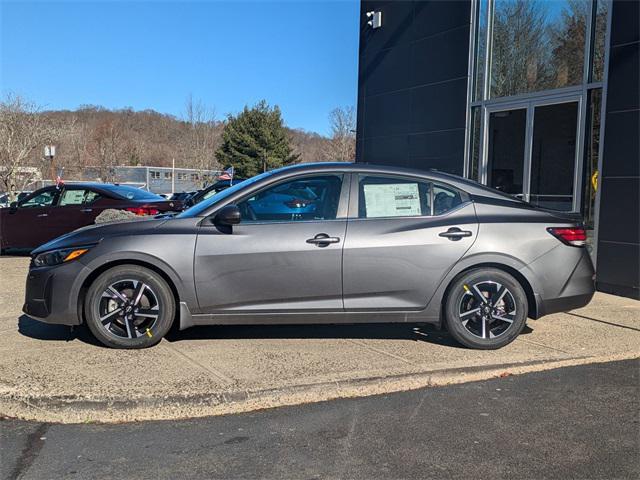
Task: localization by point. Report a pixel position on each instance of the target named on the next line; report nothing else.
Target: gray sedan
(350, 243)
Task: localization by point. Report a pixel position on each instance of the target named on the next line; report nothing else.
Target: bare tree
(23, 134)
(106, 146)
(342, 144)
(203, 136)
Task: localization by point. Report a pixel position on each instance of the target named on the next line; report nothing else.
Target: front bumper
(52, 293)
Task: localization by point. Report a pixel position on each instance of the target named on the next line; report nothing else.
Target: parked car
(210, 191)
(381, 244)
(180, 196)
(53, 211)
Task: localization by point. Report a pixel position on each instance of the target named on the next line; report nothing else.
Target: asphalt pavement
(575, 422)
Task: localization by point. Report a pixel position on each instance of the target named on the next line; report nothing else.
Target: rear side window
(381, 197)
(388, 197)
(445, 199)
(78, 197)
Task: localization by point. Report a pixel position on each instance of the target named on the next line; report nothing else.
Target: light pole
(50, 154)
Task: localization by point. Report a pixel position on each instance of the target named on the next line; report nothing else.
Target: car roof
(470, 186)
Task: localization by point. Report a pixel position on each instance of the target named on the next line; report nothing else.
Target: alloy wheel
(129, 309)
(487, 309)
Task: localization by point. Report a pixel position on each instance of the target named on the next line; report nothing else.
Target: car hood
(95, 233)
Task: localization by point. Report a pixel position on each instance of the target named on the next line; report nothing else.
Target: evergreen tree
(255, 141)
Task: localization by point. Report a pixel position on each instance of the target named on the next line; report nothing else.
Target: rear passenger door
(75, 209)
(403, 235)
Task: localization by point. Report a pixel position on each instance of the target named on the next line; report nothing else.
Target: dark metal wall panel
(618, 263)
(412, 85)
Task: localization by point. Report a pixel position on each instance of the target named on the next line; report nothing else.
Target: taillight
(143, 210)
(576, 236)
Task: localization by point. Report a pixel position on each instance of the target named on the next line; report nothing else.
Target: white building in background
(166, 179)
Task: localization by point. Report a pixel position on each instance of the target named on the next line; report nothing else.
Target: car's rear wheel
(129, 306)
(485, 309)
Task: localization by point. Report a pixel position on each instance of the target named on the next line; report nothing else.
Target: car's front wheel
(129, 306)
(486, 309)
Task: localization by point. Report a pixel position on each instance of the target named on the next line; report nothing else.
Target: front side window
(43, 199)
(381, 197)
(78, 197)
(302, 199)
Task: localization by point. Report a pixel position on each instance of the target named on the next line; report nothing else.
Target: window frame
(354, 201)
(341, 211)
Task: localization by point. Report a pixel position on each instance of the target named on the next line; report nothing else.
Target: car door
(403, 235)
(74, 209)
(27, 225)
(283, 258)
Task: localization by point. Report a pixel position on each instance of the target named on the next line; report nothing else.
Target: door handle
(43, 215)
(454, 233)
(322, 240)
(86, 210)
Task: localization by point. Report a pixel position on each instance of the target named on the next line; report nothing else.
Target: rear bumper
(576, 291)
(52, 293)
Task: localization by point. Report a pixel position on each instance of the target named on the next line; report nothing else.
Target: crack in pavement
(218, 375)
(381, 352)
(30, 452)
(604, 321)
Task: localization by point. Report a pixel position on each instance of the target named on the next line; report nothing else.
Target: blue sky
(299, 54)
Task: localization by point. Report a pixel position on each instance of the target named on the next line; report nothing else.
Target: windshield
(199, 208)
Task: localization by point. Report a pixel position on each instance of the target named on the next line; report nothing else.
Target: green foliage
(255, 140)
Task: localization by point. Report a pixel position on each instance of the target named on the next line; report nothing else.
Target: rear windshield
(133, 193)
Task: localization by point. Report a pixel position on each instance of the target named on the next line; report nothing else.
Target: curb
(76, 409)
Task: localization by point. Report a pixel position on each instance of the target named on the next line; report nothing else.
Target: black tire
(477, 312)
(147, 321)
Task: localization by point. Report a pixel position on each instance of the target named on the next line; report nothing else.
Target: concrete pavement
(576, 422)
(48, 374)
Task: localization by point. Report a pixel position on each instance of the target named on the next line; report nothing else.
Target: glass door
(531, 151)
(553, 156)
(506, 137)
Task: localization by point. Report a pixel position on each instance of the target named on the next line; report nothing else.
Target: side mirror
(228, 215)
(13, 206)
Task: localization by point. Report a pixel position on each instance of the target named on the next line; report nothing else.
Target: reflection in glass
(506, 150)
(553, 156)
(481, 50)
(599, 34)
(592, 147)
(475, 144)
(537, 45)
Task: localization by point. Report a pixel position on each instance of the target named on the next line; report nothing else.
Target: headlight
(56, 257)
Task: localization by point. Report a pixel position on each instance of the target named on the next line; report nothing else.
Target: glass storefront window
(481, 50)
(475, 143)
(537, 45)
(599, 35)
(591, 153)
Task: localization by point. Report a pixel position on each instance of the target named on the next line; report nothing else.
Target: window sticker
(72, 197)
(392, 200)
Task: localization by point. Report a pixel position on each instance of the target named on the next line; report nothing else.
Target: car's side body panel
(398, 263)
(269, 267)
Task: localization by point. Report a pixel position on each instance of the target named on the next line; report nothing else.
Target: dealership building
(539, 99)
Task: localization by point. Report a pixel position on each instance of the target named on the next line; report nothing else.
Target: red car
(53, 211)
